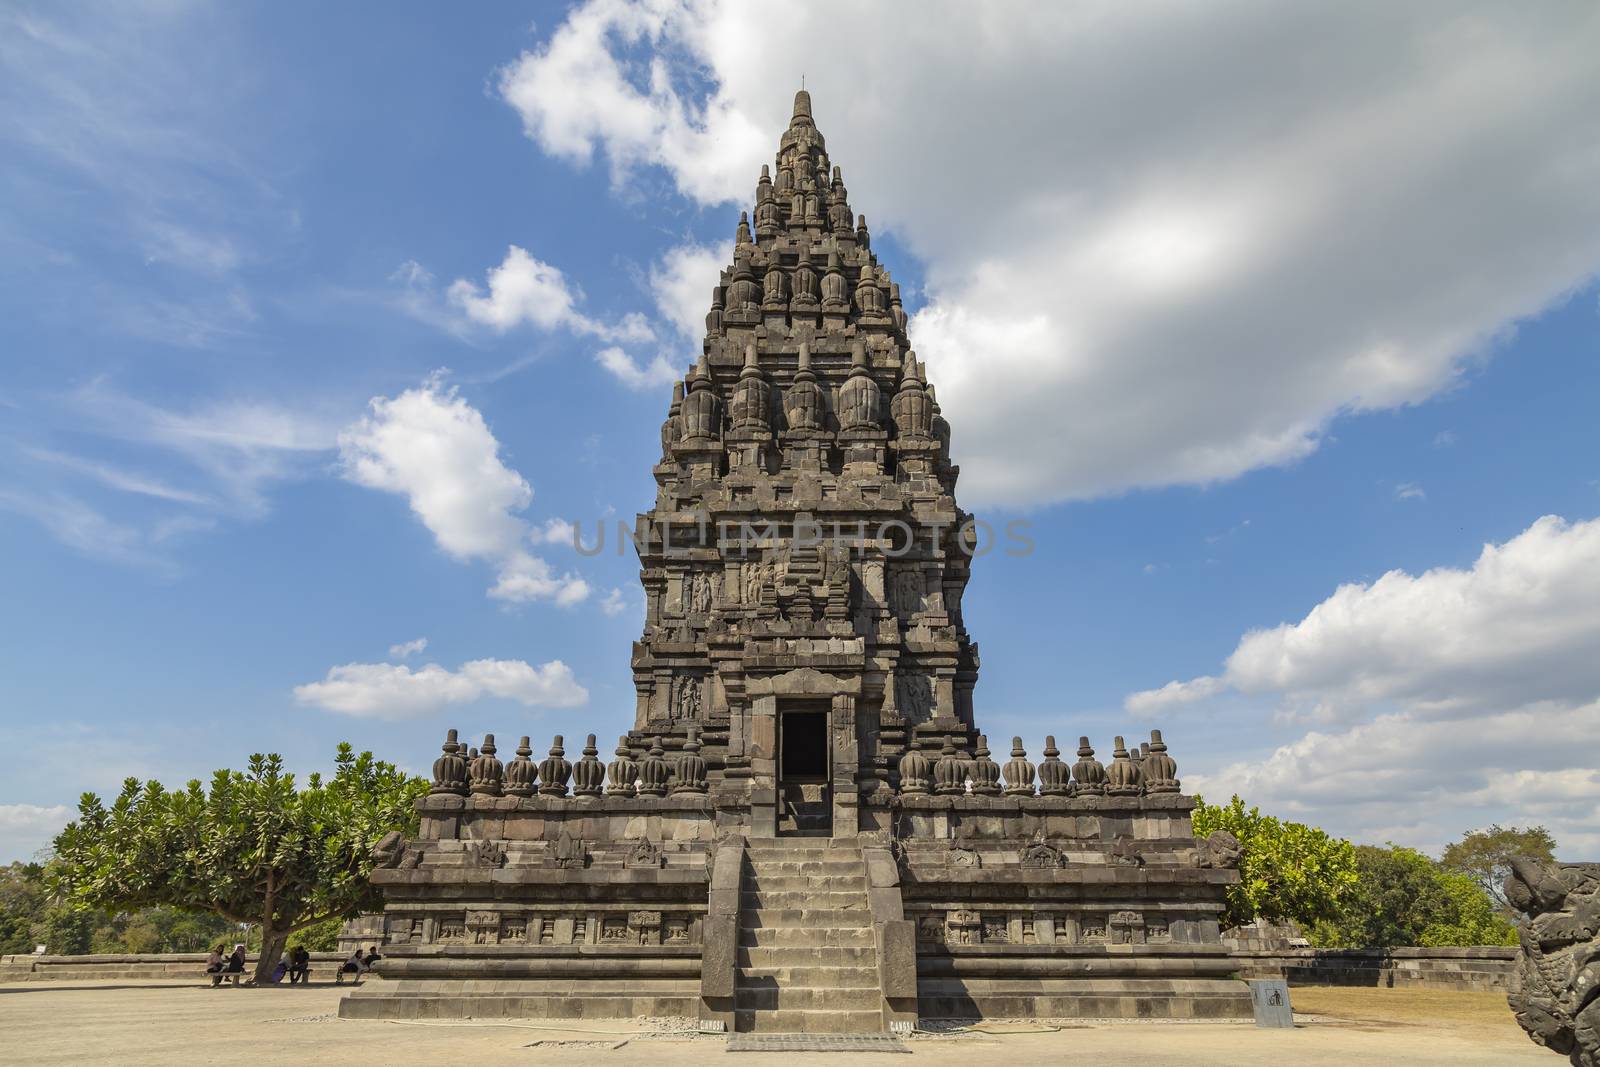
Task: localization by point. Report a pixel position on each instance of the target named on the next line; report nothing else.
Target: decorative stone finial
(984, 770)
(752, 397)
(654, 772)
(1054, 780)
(588, 773)
(1088, 776)
(859, 397)
(522, 773)
(950, 773)
(802, 110)
(622, 773)
(691, 767)
(702, 409)
(915, 770)
(912, 411)
(1122, 777)
(742, 237)
(450, 769)
(1019, 772)
(802, 402)
(554, 771)
(486, 769)
(1160, 769)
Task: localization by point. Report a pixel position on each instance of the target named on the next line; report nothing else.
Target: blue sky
(1240, 328)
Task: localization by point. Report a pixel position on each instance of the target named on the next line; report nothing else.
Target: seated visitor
(214, 966)
(354, 965)
(299, 965)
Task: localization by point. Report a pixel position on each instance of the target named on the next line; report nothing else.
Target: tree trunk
(273, 941)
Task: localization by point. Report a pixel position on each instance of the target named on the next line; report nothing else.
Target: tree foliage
(1484, 855)
(1406, 898)
(253, 848)
(1287, 870)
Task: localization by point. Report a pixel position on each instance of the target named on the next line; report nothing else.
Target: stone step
(813, 869)
(802, 851)
(795, 1021)
(810, 975)
(803, 998)
(806, 937)
(851, 883)
(798, 898)
(765, 956)
(791, 863)
(815, 918)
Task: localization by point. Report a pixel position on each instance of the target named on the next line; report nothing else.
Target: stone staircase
(807, 963)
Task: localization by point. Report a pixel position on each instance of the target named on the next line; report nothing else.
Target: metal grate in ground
(814, 1043)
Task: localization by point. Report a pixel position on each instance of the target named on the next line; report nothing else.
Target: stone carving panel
(1557, 1001)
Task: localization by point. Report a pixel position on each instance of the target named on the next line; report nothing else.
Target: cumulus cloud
(615, 602)
(524, 290)
(1168, 246)
(1431, 693)
(627, 370)
(681, 283)
(432, 447)
(396, 691)
(408, 648)
(1518, 626)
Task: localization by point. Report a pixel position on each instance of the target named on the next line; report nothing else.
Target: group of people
(357, 965)
(296, 966)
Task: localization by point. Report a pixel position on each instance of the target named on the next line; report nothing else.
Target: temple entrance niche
(804, 765)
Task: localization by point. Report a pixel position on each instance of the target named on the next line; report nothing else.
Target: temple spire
(802, 110)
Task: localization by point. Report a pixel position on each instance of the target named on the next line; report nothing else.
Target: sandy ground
(138, 1023)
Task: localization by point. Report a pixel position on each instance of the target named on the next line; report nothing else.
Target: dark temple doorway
(803, 763)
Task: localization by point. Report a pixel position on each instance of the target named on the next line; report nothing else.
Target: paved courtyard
(136, 1023)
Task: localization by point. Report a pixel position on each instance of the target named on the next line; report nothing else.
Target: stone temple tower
(805, 558)
(804, 833)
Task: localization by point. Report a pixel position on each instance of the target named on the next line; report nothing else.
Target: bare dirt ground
(149, 1023)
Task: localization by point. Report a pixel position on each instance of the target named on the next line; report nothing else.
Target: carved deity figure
(686, 697)
(914, 696)
(699, 593)
(1558, 999)
(907, 592)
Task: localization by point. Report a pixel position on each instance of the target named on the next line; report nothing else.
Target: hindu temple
(805, 831)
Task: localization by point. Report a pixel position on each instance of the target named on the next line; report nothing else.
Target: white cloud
(553, 532)
(1433, 694)
(395, 691)
(627, 371)
(1517, 627)
(1409, 491)
(681, 283)
(432, 447)
(615, 602)
(1424, 782)
(1168, 247)
(27, 828)
(523, 289)
(408, 648)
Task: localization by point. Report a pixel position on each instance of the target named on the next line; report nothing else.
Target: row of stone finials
(1146, 769)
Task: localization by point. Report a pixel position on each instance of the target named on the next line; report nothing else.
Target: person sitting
(372, 957)
(235, 967)
(214, 966)
(299, 966)
(355, 965)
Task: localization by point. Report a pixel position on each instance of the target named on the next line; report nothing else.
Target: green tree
(1405, 898)
(252, 849)
(22, 906)
(1287, 870)
(1484, 855)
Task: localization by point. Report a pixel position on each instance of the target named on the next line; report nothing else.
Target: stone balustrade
(1145, 770)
